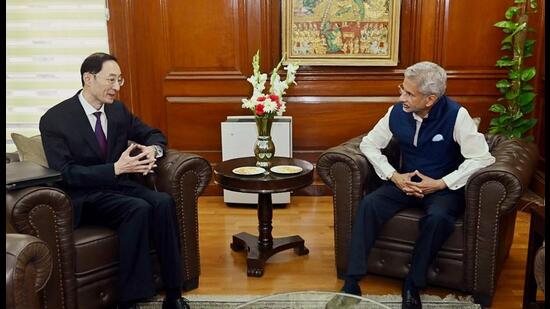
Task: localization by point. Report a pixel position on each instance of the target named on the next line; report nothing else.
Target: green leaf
(504, 63)
(510, 95)
(513, 74)
(503, 119)
(494, 122)
(506, 46)
(516, 133)
(527, 87)
(528, 74)
(526, 98)
(511, 11)
(506, 30)
(517, 116)
(534, 5)
(519, 1)
(519, 28)
(527, 108)
(528, 52)
(495, 130)
(497, 108)
(530, 42)
(507, 39)
(503, 83)
(528, 124)
(506, 24)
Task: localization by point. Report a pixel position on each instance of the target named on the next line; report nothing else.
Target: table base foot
(257, 256)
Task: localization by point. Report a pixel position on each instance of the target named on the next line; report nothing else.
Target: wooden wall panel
(469, 39)
(187, 61)
(204, 37)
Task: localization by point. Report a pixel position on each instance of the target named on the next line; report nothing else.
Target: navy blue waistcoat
(436, 153)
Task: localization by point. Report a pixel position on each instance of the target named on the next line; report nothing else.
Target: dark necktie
(100, 135)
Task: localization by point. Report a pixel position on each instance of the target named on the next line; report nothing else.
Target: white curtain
(46, 42)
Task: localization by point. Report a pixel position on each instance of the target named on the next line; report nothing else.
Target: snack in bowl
(286, 169)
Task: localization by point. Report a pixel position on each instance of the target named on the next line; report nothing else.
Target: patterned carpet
(314, 301)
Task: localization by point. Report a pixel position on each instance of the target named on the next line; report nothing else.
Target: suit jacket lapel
(82, 125)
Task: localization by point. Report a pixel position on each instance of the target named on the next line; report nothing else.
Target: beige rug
(392, 301)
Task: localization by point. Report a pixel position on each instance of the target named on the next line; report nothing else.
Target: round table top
(267, 182)
(312, 299)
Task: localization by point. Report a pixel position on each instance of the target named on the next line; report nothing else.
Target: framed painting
(341, 32)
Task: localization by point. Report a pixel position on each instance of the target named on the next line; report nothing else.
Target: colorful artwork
(341, 32)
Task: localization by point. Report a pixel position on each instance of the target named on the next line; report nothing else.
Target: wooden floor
(223, 271)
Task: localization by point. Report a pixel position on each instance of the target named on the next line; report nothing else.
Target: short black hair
(93, 64)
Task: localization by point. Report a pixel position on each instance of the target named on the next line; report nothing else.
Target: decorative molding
(181, 75)
(289, 99)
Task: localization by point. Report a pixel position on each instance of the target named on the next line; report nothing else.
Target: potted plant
(516, 89)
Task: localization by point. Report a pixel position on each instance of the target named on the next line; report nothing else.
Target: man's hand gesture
(403, 182)
(141, 163)
(427, 185)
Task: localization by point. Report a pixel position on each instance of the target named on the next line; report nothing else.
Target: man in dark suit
(86, 138)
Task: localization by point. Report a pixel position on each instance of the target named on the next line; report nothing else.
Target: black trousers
(139, 214)
(442, 209)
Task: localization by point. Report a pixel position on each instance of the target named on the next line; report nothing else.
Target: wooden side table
(536, 237)
(262, 247)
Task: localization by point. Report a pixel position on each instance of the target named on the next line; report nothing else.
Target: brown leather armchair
(85, 259)
(28, 268)
(471, 259)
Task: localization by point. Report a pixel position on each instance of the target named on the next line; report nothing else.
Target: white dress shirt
(90, 110)
(473, 148)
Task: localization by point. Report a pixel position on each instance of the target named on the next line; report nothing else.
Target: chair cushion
(401, 231)
(96, 248)
(30, 148)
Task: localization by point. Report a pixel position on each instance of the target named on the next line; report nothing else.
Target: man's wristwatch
(158, 151)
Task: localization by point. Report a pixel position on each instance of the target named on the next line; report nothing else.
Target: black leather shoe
(411, 297)
(180, 303)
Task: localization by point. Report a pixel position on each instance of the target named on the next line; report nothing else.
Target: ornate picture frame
(341, 32)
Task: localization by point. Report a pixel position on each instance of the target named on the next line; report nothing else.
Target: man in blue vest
(440, 148)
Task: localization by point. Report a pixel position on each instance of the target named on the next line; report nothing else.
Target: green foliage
(512, 119)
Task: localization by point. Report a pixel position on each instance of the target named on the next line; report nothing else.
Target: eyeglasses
(112, 80)
(402, 91)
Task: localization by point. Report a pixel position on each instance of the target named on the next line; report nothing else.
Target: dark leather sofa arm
(506, 179)
(344, 161)
(178, 170)
(492, 194)
(345, 170)
(185, 176)
(46, 213)
(28, 268)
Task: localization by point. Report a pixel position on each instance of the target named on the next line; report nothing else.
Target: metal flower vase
(264, 149)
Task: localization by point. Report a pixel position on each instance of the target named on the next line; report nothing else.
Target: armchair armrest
(492, 194)
(28, 268)
(506, 179)
(174, 166)
(345, 170)
(185, 176)
(47, 214)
